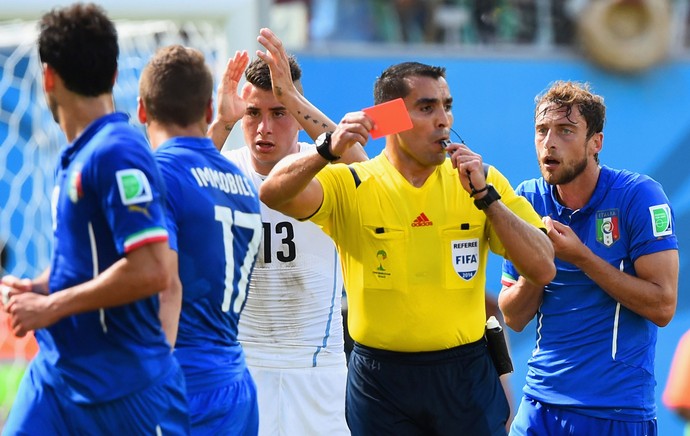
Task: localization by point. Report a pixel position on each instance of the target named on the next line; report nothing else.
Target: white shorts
(301, 401)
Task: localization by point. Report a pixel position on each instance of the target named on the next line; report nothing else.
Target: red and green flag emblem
(608, 230)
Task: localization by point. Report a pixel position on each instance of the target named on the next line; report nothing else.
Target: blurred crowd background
(534, 23)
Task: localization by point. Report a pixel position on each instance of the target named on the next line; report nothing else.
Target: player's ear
(209, 112)
(597, 142)
(141, 110)
(48, 78)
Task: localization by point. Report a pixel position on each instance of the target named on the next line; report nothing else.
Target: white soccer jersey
(292, 318)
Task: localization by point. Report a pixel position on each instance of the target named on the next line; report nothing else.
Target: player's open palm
(278, 63)
(231, 106)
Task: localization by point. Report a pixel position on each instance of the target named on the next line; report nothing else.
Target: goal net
(30, 142)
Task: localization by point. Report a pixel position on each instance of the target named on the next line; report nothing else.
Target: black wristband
(323, 147)
(477, 191)
(491, 196)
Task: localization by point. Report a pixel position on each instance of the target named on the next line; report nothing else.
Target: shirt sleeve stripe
(507, 280)
(147, 236)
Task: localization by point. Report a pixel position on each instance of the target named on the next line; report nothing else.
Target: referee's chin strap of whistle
(472, 188)
(486, 166)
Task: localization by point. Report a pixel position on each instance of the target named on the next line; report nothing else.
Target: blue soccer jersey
(592, 354)
(107, 202)
(215, 226)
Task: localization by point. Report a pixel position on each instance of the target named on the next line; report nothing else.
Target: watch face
(323, 147)
(321, 139)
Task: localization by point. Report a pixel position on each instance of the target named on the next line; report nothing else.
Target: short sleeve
(650, 219)
(128, 185)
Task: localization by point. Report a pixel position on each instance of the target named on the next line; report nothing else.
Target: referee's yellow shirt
(413, 259)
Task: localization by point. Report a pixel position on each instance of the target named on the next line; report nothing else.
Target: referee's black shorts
(448, 392)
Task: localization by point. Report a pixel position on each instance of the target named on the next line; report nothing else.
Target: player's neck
(77, 113)
(160, 132)
(261, 169)
(575, 194)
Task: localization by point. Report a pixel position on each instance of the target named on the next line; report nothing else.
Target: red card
(389, 118)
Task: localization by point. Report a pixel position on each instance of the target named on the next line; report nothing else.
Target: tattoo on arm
(308, 117)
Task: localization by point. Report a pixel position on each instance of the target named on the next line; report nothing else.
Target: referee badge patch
(465, 255)
(661, 220)
(134, 186)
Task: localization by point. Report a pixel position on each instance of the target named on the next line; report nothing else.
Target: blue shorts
(231, 410)
(538, 419)
(39, 410)
(449, 392)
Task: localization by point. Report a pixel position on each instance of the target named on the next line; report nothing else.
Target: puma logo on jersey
(422, 221)
(140, 209)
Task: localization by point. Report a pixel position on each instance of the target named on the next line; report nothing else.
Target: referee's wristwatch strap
(491, 196)
(323, 147)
